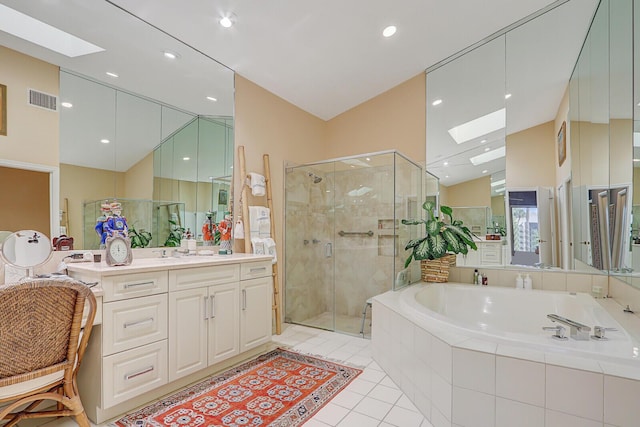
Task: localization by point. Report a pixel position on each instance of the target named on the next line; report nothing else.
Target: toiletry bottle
(519, 282)
(475, 276)
(527, 282)
(485, 280)
(479, 281)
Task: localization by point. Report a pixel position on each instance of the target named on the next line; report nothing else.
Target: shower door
(309, 230)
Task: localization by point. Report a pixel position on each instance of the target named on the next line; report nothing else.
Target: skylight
(488, 156)
(479, 127)
(496, 183)
(35, 31)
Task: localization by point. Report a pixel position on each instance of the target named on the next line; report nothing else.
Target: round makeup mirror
(26, 249)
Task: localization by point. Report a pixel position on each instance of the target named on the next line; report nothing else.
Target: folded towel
(258, 246)
(270, 248)
(238, 229)
(257, 184)
(259, 221)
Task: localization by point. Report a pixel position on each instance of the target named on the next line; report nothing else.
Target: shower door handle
(328, 250)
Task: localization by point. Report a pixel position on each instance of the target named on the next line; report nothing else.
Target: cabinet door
(224, 322)
(188, 313)
(255, 312)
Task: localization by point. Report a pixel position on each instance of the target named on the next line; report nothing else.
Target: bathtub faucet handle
(559, 332)
(598, 332)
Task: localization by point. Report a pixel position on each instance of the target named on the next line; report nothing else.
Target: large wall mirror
(159, 142)
(495, 137)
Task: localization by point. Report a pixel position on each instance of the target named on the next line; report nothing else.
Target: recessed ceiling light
(487, 149)
(436, 102)
(110, 74)
(35, 31)
(186, 158)
(105, 141)
(507, 96)
(67, 104)
(483, 141)
(446, 176)
(210, 178)
(170, 55)
(368, 159)
(389, 31)
(446, 163)
(488, 156)
(478, 127)
(227, 21)
(485, 171)
(211, 98)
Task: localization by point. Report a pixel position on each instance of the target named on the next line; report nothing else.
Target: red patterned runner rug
(278, 389)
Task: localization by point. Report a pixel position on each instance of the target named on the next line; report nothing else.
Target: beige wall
(476, 192)
(392, 120)
(620, 151)
(27, 207)
(138, 180)
(32, 132)
(497, 205)
(532, 157)
(78, 185)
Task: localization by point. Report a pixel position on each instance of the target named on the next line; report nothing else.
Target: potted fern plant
(442, 240)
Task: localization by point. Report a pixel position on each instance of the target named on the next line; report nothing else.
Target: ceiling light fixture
(499, 190)
(105, 141)
(487, 149)
(67, 104)
(170, 55)
(488, 156)
(211, 98)
(636, 160)
(389, 31)
(477, 127)
(436, 102)
(496, 183)
(228, 21)
(186, 158)
(446, 163)
(483, 141)
(485, 171)
(35, 31)
(507, 96)
(110, 74)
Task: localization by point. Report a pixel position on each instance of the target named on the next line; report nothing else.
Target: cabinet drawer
(253, 270)
(135, 322)
(203, 276)
(131, 373)
(134, 285)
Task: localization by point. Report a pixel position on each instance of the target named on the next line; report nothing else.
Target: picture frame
(562, 143)
(3, 110)
(222, 197)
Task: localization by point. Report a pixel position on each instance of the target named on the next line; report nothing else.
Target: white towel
(270, 248)
(258, 246)
(259, 222)
(257, 184)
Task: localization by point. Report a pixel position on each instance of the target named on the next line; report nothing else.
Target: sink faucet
(179, 252)
(577, 331)
(162, 252)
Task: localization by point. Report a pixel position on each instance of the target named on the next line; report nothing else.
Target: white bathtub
(477, 356)
(517, 316)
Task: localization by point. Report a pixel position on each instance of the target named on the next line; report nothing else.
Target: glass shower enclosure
(344, 239)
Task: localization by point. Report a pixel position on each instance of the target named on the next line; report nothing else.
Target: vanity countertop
(140, 265)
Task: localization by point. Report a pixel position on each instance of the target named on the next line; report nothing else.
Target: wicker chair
(41, 346)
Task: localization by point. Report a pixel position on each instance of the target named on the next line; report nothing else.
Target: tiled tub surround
(460, 377)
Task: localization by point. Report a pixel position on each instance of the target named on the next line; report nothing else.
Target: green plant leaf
(447, 211)
(455, 245)
(429, 206)
(438, 246)
(413, 243)
(433, 227)
(423, 250)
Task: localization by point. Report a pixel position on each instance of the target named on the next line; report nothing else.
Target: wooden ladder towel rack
(247, 228)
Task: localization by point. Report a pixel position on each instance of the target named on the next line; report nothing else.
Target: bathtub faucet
(577, 331)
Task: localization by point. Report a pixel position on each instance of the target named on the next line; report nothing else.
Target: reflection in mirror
(510, 72)
(26, 249)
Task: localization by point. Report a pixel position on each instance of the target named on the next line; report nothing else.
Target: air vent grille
(43, 100)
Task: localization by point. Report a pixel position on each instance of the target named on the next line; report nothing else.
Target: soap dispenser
(527, 282)
(519, 282)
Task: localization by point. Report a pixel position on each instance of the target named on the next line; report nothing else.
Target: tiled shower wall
(354, 200)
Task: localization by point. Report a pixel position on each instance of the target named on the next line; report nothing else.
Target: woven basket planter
(437, 270)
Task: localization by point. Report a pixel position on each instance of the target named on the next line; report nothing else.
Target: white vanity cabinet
(203, 318)
(169, 322)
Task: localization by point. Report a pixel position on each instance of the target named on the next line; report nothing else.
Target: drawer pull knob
(134, 285)
(138, 322)
(137, 374)
(256, 270)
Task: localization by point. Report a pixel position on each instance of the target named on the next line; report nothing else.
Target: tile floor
(370, 400)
